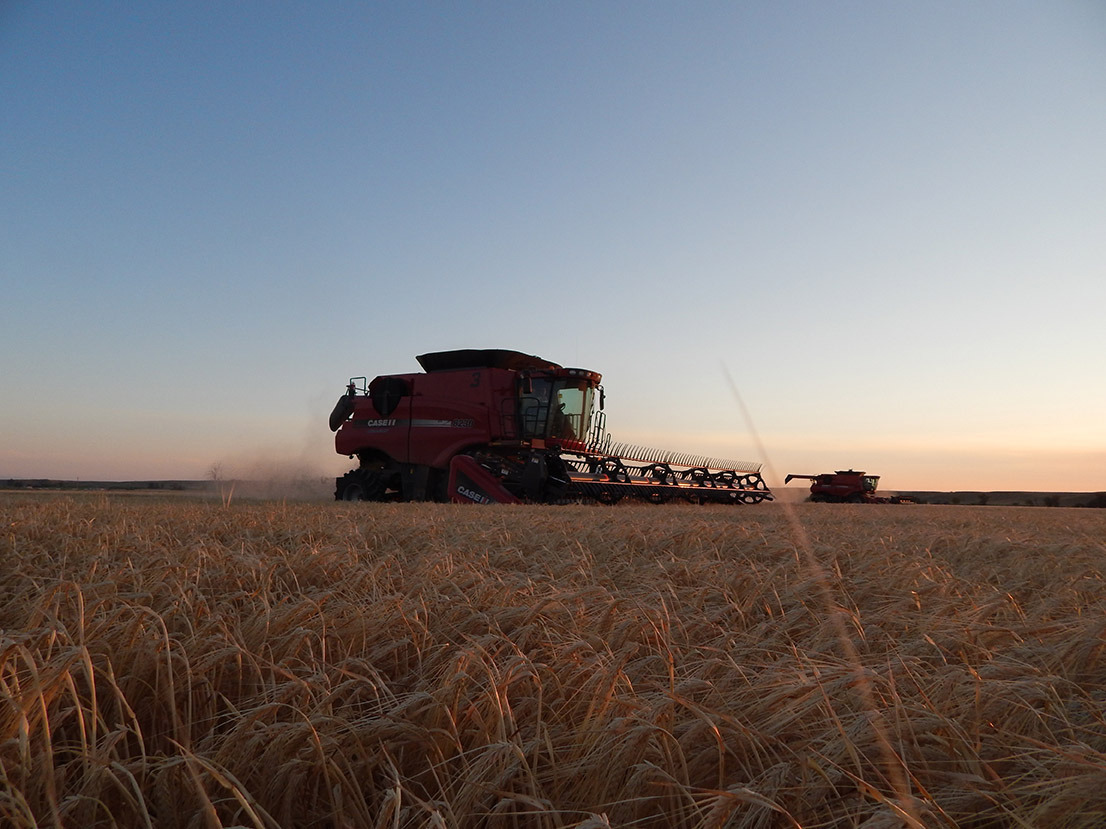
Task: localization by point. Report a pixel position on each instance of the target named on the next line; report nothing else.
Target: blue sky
(884, 221)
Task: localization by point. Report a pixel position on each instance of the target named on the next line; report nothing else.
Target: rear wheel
(360, 485)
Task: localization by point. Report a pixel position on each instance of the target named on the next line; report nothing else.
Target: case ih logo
(381, 423)
(473, 495)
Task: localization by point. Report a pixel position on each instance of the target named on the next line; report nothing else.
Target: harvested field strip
(175, 662)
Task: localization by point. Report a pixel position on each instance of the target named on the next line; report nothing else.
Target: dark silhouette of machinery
(848, 486)
(499, 426)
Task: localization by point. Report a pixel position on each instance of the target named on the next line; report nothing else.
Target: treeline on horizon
(51, 483)
(1007, 498)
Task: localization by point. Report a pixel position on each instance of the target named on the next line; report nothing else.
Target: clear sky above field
(886, 222)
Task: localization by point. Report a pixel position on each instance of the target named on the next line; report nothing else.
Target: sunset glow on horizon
(884, 223)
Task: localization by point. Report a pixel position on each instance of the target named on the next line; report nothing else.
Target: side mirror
(602, 398)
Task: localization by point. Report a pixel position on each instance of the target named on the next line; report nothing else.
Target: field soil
(181, 661)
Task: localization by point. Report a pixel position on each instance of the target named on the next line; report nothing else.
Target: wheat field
(186, 663)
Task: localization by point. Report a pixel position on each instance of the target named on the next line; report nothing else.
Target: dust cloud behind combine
(304, 473)
(273, 480)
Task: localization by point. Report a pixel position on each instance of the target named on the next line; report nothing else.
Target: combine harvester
(848, 487)
(496, 426)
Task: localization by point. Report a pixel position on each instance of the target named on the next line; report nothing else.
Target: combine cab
(497, 426)
(848, 486)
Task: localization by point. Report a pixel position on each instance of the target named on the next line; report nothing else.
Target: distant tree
(216, 475)
(983, 499)
(1052, 500)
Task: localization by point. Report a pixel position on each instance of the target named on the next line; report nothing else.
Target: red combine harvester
(496, 426)
(848, 486)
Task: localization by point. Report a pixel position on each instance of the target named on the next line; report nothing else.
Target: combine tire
(360, 486)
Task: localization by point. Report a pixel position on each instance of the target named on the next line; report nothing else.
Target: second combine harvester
(496, 426)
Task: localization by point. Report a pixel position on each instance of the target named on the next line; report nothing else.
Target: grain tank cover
(483, 358)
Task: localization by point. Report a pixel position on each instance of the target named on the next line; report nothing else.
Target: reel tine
(644, 454)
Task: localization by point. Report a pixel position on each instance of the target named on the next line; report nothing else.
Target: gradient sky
(885, 222)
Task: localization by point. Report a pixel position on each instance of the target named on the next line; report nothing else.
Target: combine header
(496, 426)
(848, 486)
